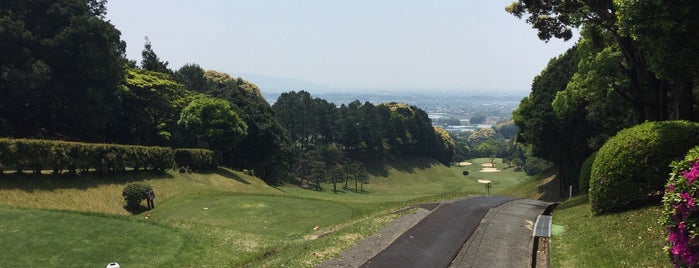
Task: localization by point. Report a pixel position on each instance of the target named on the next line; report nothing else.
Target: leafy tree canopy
(214, 121)
(151, 103)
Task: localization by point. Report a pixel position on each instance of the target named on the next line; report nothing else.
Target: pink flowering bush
(680, 215)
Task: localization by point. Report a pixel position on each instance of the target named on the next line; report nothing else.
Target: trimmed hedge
(585, 171)
(634, 164)
(197, 159)
(37, 155)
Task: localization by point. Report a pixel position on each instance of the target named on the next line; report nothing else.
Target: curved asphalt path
(437, 239)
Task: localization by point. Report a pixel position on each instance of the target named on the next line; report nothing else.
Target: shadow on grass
(136, 210)
(648, 201)
(581, 200)
(571, 203)
(49, 182)
(226, 173)
(409, 165)
(551, 190)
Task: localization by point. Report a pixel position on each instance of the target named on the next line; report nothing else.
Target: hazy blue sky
(358, 44)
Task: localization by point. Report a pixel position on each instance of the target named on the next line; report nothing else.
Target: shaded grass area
(426, 180)
(626, 239)
(222, 218)
(543, 186)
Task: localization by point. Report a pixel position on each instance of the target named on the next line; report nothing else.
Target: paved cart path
(437, 239)
(433, 236)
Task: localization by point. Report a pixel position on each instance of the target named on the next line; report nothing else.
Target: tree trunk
(646, 93)
(681, 93)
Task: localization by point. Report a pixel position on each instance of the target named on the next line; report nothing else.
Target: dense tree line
(60, 67)
(64, 75)
(327, 136)
(635, 61)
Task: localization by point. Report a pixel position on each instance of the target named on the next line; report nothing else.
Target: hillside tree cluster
(64, 75)
(635, 61)
(328, 137)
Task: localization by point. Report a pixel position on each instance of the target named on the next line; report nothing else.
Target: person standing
(150, 196)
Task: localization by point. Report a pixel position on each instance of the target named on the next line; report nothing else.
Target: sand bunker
(483, 181)
(463, 164)
(489, 170)
(487, 165)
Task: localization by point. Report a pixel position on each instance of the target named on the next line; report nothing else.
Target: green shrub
(633, 165)
(133, 195)
(197, 159)
(585, 171)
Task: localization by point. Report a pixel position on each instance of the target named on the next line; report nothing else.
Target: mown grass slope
(223, 218)
(626, 239)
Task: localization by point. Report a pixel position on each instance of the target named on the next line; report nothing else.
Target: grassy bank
(627, 239)
(218, 219)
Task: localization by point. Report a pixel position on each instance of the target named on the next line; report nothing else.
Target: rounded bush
(133, 195)
(680, 216)
(585, 171)
(633, 165)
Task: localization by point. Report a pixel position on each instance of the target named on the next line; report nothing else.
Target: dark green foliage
(151, 62)
(562, 142)
(634, 164)
(197, 159)
(191, 76)
(657, 39)
(535, 166)
(585, 171)
(38, 155)
(60, 64)
(518, 163)
(508, 130)
(133, 195)
(266, 148)
(366, 133)
(150, 105)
